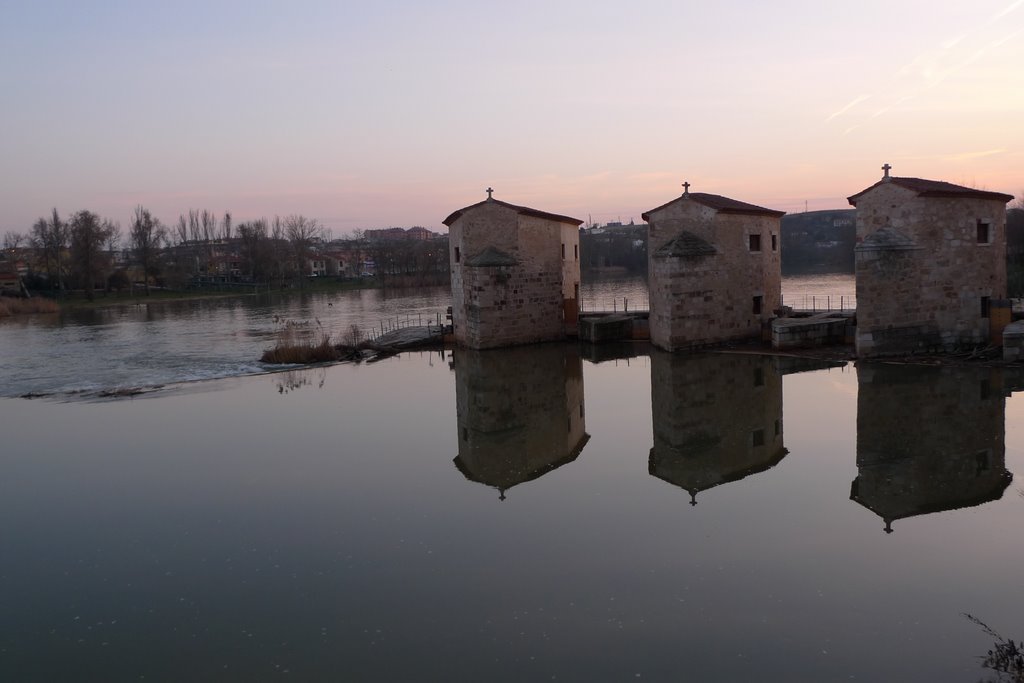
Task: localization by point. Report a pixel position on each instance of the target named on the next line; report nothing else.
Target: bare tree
(302, 234)
(89, 234)
(181, 230)
(146, 235)
(225, 226)
(50, 237)
(256, 249)
(193, 226)
(209, 223)
(13, 240)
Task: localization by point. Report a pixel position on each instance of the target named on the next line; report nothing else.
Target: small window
(458, 255)
(986, 305)
(757, 438)
(576, 251)
(758, 377)
(581, 411)
(778, 427)
(756, 309)
(983, 232)
(755, 242)
(981, 463)
(775, 242)
(563, 251)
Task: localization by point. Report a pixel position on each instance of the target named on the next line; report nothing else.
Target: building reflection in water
(717, 418)
(928, 439)
(520, 412)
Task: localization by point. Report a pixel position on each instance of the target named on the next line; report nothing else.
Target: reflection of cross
(489, 191)
(886, 168)
(686, 187)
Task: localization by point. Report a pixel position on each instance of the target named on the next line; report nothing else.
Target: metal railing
(821, 302)
(615, 305)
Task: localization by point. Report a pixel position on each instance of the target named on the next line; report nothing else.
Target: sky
(385, 113)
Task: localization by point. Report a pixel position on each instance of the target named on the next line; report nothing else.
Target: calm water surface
(517, 515)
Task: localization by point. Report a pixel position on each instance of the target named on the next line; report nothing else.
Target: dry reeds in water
(296, 345)
(11, 306)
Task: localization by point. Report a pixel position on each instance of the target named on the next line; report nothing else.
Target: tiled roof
(686, 245)
(934, 188)
(721, 205)
(522, 210)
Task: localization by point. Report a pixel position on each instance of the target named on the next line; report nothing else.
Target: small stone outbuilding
(930, 261)
(714, 270)
(515, 274)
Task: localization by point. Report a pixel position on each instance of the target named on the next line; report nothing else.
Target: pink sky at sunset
(396, 113)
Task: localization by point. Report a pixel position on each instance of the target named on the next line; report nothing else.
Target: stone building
(520, 413)
(930, 257)
(714, 270)
(717, 418)
(929, 439)
(515, 274)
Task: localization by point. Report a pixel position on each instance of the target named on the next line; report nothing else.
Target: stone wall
(504, 305)
(928, 439)
(928, 297)
(717, 418)
(701, 300)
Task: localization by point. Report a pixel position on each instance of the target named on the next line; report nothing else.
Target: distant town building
(515, 274)
(713, 270)
(520, 413)
(390, 234)
(930, 259)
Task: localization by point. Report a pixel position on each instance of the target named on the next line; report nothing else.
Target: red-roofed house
(930, 258)
(714, 271)
(515, 274)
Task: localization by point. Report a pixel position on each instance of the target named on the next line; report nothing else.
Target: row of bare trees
(86, 250)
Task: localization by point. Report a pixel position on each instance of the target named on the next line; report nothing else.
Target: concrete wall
(717, 418)
(708, 300)
(928, 439)
(494, 306)
(927, 298)
(520, 412)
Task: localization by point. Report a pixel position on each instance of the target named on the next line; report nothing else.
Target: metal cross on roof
(489, 191)
(686, 187)
(886, 168)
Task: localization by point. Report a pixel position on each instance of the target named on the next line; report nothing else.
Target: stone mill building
(930, 261)
(714, 269)
(515, 274)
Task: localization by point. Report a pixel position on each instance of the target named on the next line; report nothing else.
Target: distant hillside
(819, 241)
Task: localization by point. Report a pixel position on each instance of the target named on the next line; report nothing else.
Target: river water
(550, 512)
(83, 352)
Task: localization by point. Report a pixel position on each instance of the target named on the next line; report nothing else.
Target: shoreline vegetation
(11, 306)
